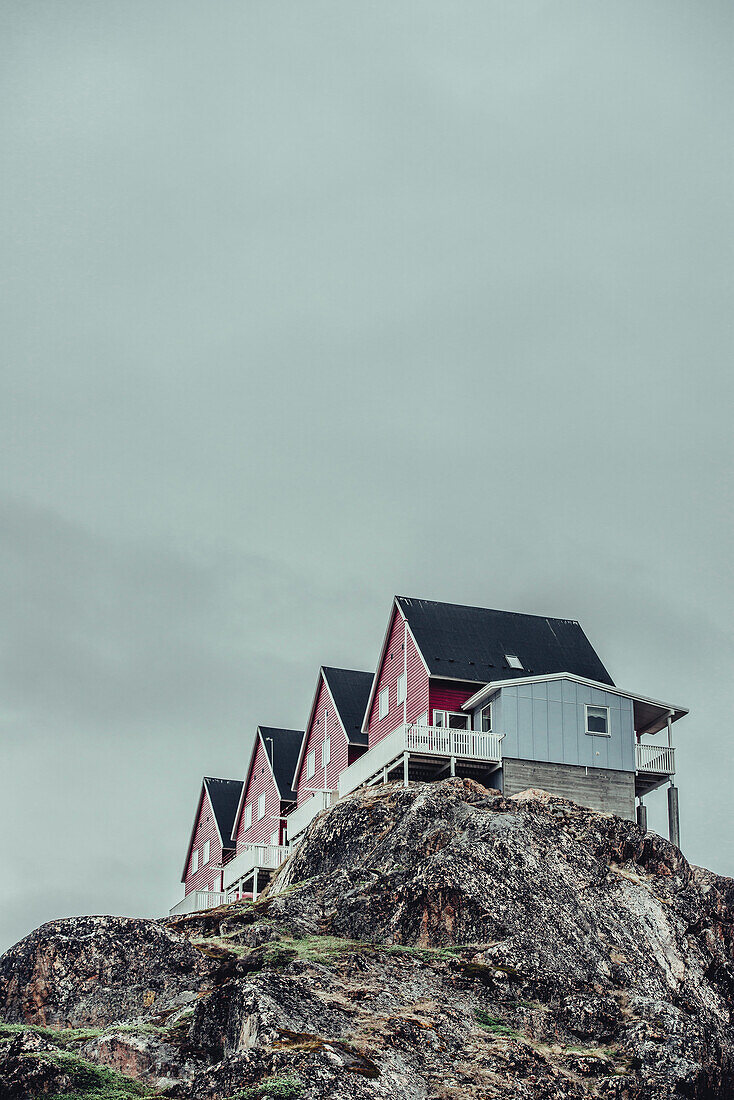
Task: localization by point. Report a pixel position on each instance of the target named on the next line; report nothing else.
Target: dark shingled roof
(282, 747)
(224, 795)
(471, 643)
(350, 691)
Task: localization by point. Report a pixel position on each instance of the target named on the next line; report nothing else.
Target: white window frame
(261, 806)
(311, 764)
(446, 714)
(206, 852)
(194, 861)
(248, 815)
(325, 752)
(485, 710)
(597, 733)
(402, 686)
(383, 703)
(514, 661)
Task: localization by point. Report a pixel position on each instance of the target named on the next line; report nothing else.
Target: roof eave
(321, 678)
(197, 815)
(494, 685)
(395, 607)
(243, 793)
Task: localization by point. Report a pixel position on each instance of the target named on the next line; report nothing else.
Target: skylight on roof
(513, 661)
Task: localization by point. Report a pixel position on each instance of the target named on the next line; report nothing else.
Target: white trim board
(490, 688)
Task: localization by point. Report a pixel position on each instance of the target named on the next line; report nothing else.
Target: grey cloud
(305, 306)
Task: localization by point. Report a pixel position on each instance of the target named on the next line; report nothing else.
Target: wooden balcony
(655, 759)
(198, 899)
(254, 857)
(298, 819)
(431, 743)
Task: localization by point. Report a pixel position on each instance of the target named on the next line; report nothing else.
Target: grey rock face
(437, 942)
(93, 971)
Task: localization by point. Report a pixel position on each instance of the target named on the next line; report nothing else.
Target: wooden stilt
(673, 816)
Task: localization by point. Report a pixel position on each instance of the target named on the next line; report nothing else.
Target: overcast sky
(307, 304)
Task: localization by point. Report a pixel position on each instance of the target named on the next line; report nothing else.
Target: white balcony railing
(263, 856)
(467, 744)
(304, 815)
(655, 759)
(423, 741)
(198, 899)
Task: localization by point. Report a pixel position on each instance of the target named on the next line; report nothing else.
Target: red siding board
(445, 697)
(339, 758)
(393, 665)
(260, 781)
(208, 877)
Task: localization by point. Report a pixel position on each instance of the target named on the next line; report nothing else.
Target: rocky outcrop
(92, 971)
(433, 942)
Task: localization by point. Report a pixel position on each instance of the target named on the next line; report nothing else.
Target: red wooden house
(435, 655)
(434, 658)
(512, 700)
(210, 845)
(259, 826)
(334, 739)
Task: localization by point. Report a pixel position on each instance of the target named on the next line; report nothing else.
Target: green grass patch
(591, 1052)
(62, 1038)
(90, 1081)
(285, 1087)
(319, 949)
(488, 1022)
(426, 954)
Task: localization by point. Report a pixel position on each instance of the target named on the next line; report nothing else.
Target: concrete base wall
(602, 789)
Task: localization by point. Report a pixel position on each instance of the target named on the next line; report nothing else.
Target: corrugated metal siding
(339, 754)
(206, 878)
(392, 667)
(444, 696)
(259, 781)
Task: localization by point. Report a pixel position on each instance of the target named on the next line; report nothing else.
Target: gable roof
(472, 643)
(281, 748)
(224, 795)
(349, 690)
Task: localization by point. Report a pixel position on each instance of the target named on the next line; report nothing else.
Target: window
(597, 721)
(261, 807)
(311, 764)
(248, 815)
(326, 751)
(513, 661)
(194, 861)
(485, 719)
(205, 854)
(383, 702)
(449, 719)
(274, 840)
(401, 687)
